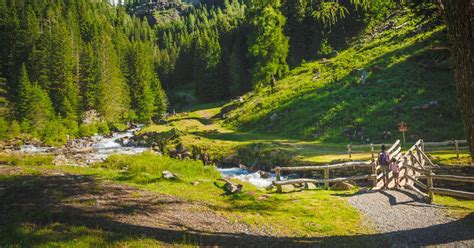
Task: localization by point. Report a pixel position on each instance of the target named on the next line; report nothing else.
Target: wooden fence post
(429, 182)
(406, 169)
(374, 172)
(278, 178)
(456, 144)
(349, 150)
(372, 150)
(422, 146)
(326, 176)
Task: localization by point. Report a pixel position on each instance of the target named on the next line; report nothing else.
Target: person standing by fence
(383, 161)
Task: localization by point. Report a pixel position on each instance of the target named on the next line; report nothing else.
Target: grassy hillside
(409, 79)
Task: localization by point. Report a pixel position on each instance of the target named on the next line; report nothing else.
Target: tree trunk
(460, 22)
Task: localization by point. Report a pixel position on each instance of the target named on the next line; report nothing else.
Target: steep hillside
(408, 78)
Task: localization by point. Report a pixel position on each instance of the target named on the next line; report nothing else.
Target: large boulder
(342, 186)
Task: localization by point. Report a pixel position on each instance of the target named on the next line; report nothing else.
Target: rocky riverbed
(82, 151)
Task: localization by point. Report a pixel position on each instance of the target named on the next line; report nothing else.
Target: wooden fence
(354, 149)
(326, 170)
(454, 145)
(417, 165)
(376, 176)
(414, 165)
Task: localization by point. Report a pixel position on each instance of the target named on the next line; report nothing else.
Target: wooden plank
(395, 145)
(326, 176)
(425, 196)
(451, 178)
(323, 167)
(332, 180)
(451, 192)
(420, 156)
(415, 159)
(395, 153)
(418, 143)
(278, 178)
(419, 170)
(417, 182)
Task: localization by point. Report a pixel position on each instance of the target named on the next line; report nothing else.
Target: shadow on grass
(45, 201)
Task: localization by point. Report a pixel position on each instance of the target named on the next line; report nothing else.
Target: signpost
(402, 127)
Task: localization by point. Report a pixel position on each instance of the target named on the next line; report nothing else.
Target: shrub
(149, 166)
(87, 130)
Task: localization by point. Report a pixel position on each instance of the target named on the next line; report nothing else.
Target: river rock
(342, 186)
(186, 155)
(169, 175)
(264, 174)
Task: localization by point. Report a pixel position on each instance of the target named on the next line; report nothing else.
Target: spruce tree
(113, 100)
(40, 109)
(23, 98)
(268, 44)
(206, 65)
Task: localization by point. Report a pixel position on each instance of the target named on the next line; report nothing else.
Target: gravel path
(406, 221)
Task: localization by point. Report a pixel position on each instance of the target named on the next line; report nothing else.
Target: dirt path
(88, 201)
(406, 221)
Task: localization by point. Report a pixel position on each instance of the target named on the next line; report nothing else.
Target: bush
(54, 132)
(3, 128)
(87, 130)
(14, 130)
(148, 166)
(103, 128)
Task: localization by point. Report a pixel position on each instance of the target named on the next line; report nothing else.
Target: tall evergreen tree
(206, 64)
(23, 98)
(268, 45)
(113, 100)
(141, 78)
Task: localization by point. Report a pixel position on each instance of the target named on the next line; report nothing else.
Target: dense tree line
(225, 48)
(60, 59)
(74, 56)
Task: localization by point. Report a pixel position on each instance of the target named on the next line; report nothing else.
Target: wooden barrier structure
(413, 165)
(326, 170)
(370, 147)
(417, 165)
(376, 175)
(456, 145)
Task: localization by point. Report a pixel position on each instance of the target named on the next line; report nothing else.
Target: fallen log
(230, 187)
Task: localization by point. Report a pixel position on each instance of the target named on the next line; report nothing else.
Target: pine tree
(206, 64)
(88, 82)
(113, 100)
(40, 108)
(23, 98)
(268, 44)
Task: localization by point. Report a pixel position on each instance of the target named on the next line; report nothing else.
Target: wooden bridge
(416, 173)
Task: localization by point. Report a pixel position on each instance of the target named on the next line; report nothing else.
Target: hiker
(395, 171)
(384, 162)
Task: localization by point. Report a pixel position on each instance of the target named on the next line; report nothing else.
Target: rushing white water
(103, 146)
(33, 149)
(247, 176)
(109, 145)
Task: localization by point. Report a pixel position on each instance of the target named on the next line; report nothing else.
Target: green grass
(311, 213)
(19, 159)
(403, 71)
(449, 157)
(306, 213)
(457, 207)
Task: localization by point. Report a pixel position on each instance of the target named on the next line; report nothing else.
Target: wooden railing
(414, 165)
(455, 145)
(417, 165)
(326, 170)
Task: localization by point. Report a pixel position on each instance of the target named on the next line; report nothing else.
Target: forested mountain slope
(408, 77)
(60, 60)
